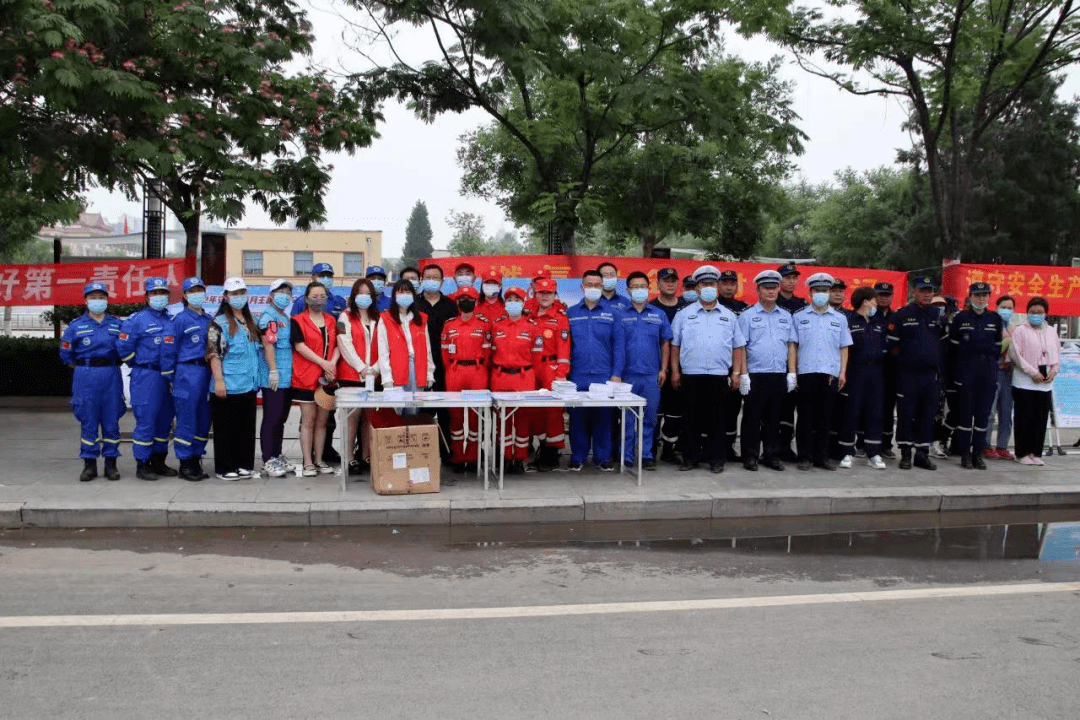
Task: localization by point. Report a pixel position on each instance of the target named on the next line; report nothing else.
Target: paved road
(964, 638)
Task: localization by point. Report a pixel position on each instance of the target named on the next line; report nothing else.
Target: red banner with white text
(1059, 285)
(572, 266)
(62, 284)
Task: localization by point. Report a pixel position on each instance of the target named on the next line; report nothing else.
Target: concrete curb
(691, 507)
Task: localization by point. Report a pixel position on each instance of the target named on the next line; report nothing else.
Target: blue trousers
(976, 382)
(191, 395)
(590, 427)
(646, 387)
(153, 406)
(97, 399)
(918, 392)
(864, 391)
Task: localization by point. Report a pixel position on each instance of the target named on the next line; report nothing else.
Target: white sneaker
(877, 463)
(274, 468)
(937, 451)
(845, 462)
(244, 473)
(288, 466)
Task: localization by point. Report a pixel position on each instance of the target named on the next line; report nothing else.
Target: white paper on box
(400, 460)
(419, 475)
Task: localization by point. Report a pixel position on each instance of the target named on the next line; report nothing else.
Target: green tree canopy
(418, 236)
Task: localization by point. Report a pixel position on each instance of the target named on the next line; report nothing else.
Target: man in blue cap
(669, 419)
(975, 337)
(377, 275)
(323, 273)
(916, 335)
(97, 390)
(191, 381)
(145, 344)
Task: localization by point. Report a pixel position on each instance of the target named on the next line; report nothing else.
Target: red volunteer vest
(345, 371)
(398, 349)
(306, 374)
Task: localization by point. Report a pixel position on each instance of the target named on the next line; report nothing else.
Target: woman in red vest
(315, 357)
(405, 359)
(359, 346)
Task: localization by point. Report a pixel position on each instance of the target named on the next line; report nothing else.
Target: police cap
(924, 281)
(820, 280)
(667, 274)
(729, 275)
(977, 288)
(767, 277)
(788, 269)
(689, 282)
(883, 288)
(839, 284)
(706, 273)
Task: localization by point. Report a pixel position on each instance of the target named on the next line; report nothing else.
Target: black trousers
(329, 450)
(234, 432)
(761, 416)
(862, 408)
(787, 419)
(836, 423)
(888, 404)
(1031, 409)
(817, 393)
(918, 394)
(670, 423)
(731, 421)
(706, 399)
(976, 384)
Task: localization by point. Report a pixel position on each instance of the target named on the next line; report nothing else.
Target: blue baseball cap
(192, 282)
(95, 287)
(155, 283)
(319, 268)
(375, 270)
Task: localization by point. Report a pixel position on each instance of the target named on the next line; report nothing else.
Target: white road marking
(535, 611)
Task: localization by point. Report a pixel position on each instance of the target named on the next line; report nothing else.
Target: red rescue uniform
(516, 347)
(490, 309)
(554, 365)
(532, 306)
(466, 354)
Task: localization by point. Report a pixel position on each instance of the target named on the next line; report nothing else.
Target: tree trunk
(648, 242)
(191, 233)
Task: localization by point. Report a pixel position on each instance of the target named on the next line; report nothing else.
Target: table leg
(622, 440)
(640, 437)
(500, 441)
(343, 426)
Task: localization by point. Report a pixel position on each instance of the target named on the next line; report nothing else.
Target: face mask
(238, 301)
(463, 280)
(158, 302)
(97, 307)
(820, 299)
(431, 286)
(610, 283)
(980, 306)
(639, 295)
(491, 290)
(592, 294)
(514, 308)
(708, 294)
(1036, 320)
(196, 300)
(282, 300)
(1006, 314)
(873, 311)
(690, 296)
(379, 285)
(327, 282)
(403, 301)
(316, 305)
(416, 284)
(363, 301)
(467, 306)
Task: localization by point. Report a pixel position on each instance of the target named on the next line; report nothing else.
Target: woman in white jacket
(359, 344)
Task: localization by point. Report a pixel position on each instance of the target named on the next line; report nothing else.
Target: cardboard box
(403, 452)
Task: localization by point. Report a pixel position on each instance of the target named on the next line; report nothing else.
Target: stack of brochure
(563, 388)
(478, 395)
(600, 391)
(397, 394)
(621, 391)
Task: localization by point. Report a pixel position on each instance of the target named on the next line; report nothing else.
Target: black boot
(922, 460)
(143, 471)
(89, 471)
(196, 464)
(965, 461)
(157, 461)
(189, 471)
(110, 469)
(905, 457)
(977, 461)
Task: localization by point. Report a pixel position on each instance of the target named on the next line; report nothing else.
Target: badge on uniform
(539, 342)
(123, 336)
(548, 334)
(195, 339)
(65, 345)
(86, 341)
(565, 334)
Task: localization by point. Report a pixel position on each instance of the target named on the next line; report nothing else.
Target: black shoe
(607, 467)
(515, 467)
(574, 466)
(716, 468)
(774, 464)
(829, 464)
(788, 455)
(469, 467)
(670, 457)
(733, 456)
(190, 471)
(532, 467)
(649, 464)
(922, 460)
(978, 463)
(354, 467)
(157, 464)
(196, 464)
(905, 463)
(687, 466)
(111, 473)
(89, 471)
(750, 464)
(804, 465)
(143, 471)
(888, 454)
(965, 462)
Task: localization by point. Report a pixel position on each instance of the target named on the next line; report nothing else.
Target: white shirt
(384, 356)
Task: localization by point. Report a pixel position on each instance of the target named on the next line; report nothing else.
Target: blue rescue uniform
(916, 336)
(592, 354)
(191, 384)
(639, 337)
(865, 388)
(145, 345)
(97, 390)
(975, 346)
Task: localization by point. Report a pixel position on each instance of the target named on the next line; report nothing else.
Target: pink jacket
(1034, 347)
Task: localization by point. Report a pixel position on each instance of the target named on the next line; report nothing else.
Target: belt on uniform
(549, 358)
(512, 371)
(466, 362)
(98, 362)
(148, 366)
(196, 361)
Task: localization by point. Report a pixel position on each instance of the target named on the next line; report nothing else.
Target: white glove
(791, 383)
(744, 384)
(275, 378)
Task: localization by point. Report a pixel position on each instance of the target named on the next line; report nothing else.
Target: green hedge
(32, 367)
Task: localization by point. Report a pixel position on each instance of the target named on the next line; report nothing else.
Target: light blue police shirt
(820, 337)
(705, 339)
(767, 334)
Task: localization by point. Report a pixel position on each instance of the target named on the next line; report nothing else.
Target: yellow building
(260, 256)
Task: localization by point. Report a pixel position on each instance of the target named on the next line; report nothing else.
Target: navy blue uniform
(734, 400)
(916, 336)
(191, 384)
(787, 409)
(144, 343)
(865, 386)
(97, 390)
(669, 419)
(975, 346)
(888, 398)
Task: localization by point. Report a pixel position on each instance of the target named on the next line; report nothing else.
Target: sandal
(309, 471)
(325, 469)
